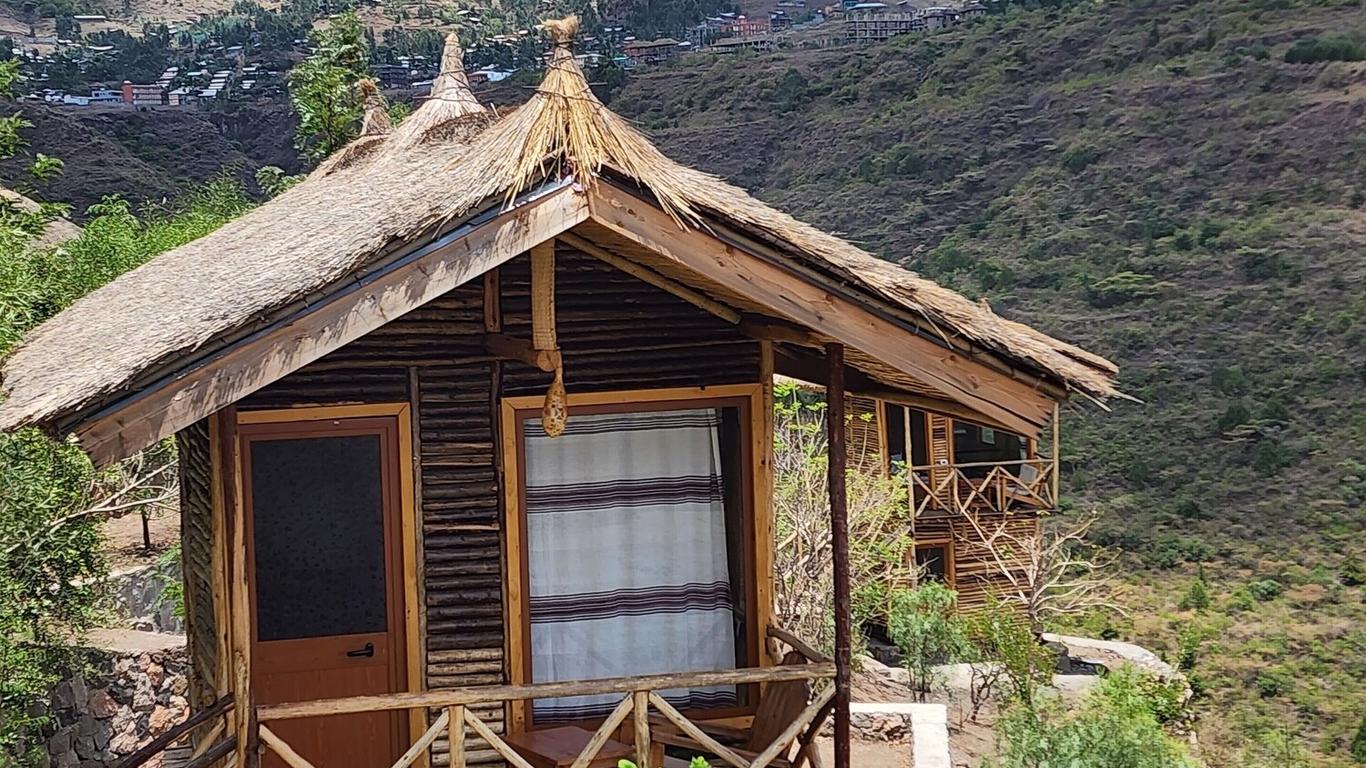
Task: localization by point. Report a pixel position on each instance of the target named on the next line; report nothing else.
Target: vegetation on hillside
(1180, 187)
(51, 498)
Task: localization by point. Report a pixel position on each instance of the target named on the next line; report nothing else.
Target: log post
(1057, 454)
(839, 543)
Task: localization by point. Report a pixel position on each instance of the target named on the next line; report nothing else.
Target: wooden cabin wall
(616, 333)
(196, 560)
(976, 575)
(863, 434)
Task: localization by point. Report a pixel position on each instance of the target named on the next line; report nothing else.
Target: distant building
(733, 44)
(743, 26)
(871, 22)
(142, 95)
(972, 11)
(651, 51)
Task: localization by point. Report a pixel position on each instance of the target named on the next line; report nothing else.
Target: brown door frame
(409, 665)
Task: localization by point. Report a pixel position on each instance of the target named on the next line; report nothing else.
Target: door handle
(368, 650)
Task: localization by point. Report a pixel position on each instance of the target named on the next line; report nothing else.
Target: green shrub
(1235, 415)
(1117, 725)
(1359, 742)
(1270, 456)
(1271, 683)
(1352, 574)
(1316, 49)
(1078, 159)
(1197, 595)
(1002, 644)
(1229, 380)
(1260, 264)
(1265, 590)
(1121, 288)
(924, 625)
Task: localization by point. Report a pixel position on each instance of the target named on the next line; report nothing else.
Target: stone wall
(130, 693)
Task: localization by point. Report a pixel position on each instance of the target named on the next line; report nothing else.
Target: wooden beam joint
(502, 345)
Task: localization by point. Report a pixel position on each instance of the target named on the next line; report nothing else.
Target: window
(897, 437)
(636, 554)
(934, 561)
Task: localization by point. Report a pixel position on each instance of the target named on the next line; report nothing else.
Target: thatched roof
(444, 162)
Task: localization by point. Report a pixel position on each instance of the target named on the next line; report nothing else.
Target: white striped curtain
(626, 552)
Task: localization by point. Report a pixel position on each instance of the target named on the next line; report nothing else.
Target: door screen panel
(318, 525)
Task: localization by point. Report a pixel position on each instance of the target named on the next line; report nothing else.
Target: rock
(101, 704)
(144, 698)
(102, 739)
(59, 744)
(85, 747)
(124, 742)
(161, 721)
(155, 674)
(65, 760)
(179, 685)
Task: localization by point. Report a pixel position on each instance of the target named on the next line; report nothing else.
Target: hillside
(151, 156)
(1156, 182)
(1152, 180)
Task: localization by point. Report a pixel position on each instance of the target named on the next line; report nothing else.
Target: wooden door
(324, 546)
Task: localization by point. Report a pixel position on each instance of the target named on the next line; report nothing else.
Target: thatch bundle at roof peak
(451, 112)
(375, 126)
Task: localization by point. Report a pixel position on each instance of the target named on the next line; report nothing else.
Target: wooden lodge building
(964, 480)
(475, 426)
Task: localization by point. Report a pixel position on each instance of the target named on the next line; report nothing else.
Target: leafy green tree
(924, 626)
(322, 89)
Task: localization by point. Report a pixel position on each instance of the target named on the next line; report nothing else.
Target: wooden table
(558, 747)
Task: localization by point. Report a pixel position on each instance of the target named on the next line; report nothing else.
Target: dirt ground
(124, 542)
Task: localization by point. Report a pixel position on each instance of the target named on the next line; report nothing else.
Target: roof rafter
(1010, 402)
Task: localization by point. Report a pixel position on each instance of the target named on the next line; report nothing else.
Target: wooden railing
(989, 486)
(639, 697)
(212, 748)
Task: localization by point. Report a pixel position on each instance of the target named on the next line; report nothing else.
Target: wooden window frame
(950, 573)
(401, 413)
(756, 437)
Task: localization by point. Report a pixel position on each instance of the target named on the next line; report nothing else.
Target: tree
(1047, 575)
(322, 89)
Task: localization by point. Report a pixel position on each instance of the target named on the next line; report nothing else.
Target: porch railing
(640, 696)
(987, 486)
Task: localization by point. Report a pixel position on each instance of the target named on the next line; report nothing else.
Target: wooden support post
(839, 543)
(640, 706)
(1057, 454)
(456, 736)
(239, 602)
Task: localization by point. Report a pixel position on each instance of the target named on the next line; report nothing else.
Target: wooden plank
(697, 734)
(155, 746)
(666, 394)
(502, 345)
(499, 746)
(647, 275)
(244, 730)
(797, 644)
(278, 746)
(219, 556)
(604, 732)
(243, 368)
(640, 708)
(514, 592)
(793, 730)
(839, 544)
(410, 531)
(493, 300)
(455, 721)
(424, 741)
(973, 384)
(761, 447)
(496, 693)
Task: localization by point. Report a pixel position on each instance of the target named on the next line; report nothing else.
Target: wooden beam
(697, 734)
(604, 732)
(647, 275)
(501, 747)
(769, 329)
(488, 694)
(798, 645)
(1013, 403)
(793, 730)
(510, 348)
(839, 543)
(858, 383)
(455, 721)
(239, 600)
(181, 399)
(424, 741)
(280, 747)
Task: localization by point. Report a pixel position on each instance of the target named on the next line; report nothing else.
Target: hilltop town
(244, 52)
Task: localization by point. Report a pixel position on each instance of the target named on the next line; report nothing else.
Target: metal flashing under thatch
(447, 159)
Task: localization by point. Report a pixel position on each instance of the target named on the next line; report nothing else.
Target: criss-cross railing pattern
(640, 696)
(1004, 487)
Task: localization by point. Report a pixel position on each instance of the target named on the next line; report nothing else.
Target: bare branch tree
(1047, 574)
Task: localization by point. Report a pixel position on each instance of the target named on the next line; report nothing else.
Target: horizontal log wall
(616, 333)
(976, 574)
